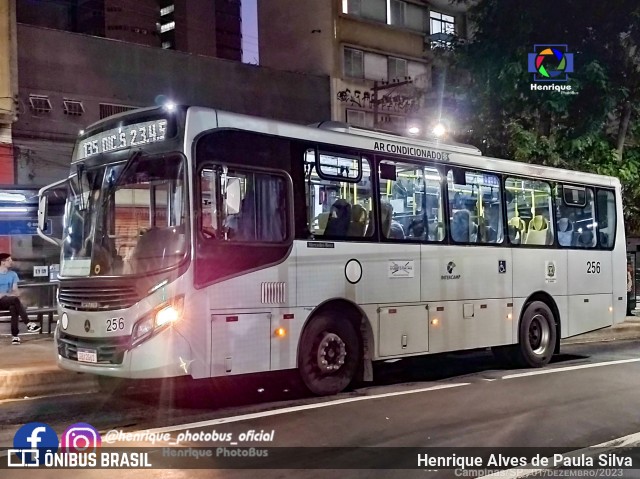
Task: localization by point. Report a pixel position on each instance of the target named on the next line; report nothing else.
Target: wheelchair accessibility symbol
(502, 266)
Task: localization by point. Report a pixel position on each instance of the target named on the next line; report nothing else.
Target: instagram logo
(80, 437)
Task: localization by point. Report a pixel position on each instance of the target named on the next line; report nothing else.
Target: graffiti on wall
(389, 102)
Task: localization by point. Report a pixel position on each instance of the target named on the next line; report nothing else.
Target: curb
(35, 382)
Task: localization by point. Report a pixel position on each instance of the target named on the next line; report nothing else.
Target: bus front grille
(92, 298)
(109, 351)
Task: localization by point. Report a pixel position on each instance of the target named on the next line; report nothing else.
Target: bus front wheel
(537, 336)
(329, 355)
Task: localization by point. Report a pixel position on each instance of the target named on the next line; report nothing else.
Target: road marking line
(625, 441)
(276, 412)
(570, 368)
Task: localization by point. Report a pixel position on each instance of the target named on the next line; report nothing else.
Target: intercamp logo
(31, 442)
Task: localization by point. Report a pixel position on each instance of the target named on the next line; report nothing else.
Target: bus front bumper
(166, 354)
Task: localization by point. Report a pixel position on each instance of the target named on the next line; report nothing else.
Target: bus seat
(339, 219)
(156, 245)
(517, 228)
(518, 223)
(461, 226)
(396, 231)
(386, 211)
(584, 239)
(538, 231)
(565, 232)
(371, 225)
(417, 228)
(358, 223)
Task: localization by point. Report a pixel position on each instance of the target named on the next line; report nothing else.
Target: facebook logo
(31, 442)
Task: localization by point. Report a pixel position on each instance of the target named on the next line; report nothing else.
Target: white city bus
(204, 243)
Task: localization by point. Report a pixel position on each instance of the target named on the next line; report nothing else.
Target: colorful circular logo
(551, 63)
(80, 437)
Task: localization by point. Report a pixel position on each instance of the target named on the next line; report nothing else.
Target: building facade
(61, 94)
(386, 58)
(203, 27)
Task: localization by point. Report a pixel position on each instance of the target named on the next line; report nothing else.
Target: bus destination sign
(138, 134)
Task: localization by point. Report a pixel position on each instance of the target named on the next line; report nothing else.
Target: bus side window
(576, 217)
(339, 204)
(529, 212)
(606, 211)
(475, 206)
(411, 206)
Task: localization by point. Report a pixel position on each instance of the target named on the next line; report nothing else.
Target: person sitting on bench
(9, 298)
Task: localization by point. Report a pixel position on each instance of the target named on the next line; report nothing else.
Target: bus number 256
(114, 324)
(593, 267)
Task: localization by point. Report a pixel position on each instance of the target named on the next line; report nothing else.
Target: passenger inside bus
(339, 219)
(390, 228)
(565, 232)
(461, 226)
(358, 224)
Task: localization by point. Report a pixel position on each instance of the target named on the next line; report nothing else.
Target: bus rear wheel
(537, 336)
(329, 355)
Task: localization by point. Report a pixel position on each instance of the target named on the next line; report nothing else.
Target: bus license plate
(87, 355)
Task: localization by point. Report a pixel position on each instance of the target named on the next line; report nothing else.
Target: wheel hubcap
(331, 353)
(539, 333)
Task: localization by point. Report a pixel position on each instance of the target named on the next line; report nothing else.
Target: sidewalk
(30, 369)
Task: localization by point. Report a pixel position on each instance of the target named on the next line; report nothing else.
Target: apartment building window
(392, 12)
(167, 27)
(375, 66)
(73, 107)
(370, 9)
(353, 63)
(351, 7)
(396, 13)
(39, 103)
(442, 29)
(397, 69)
(166, 10)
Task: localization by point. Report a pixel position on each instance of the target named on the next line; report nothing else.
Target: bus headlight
(170, 313)
(159, 318)
(143, 328)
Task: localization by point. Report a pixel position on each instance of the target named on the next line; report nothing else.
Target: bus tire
(330, 353)
(536, 336)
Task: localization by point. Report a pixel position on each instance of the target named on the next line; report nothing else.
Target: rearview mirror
(42, 214)
(57, 192)
(233, 197)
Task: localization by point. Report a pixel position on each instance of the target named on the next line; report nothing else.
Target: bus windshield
(126, 218)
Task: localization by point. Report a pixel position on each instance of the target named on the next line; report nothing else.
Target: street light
(439, 130)
(413, 130)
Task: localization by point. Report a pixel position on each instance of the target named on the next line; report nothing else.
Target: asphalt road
(454, 401)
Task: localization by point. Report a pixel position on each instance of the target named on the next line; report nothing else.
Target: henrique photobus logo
(31, 442)
(550, 65)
